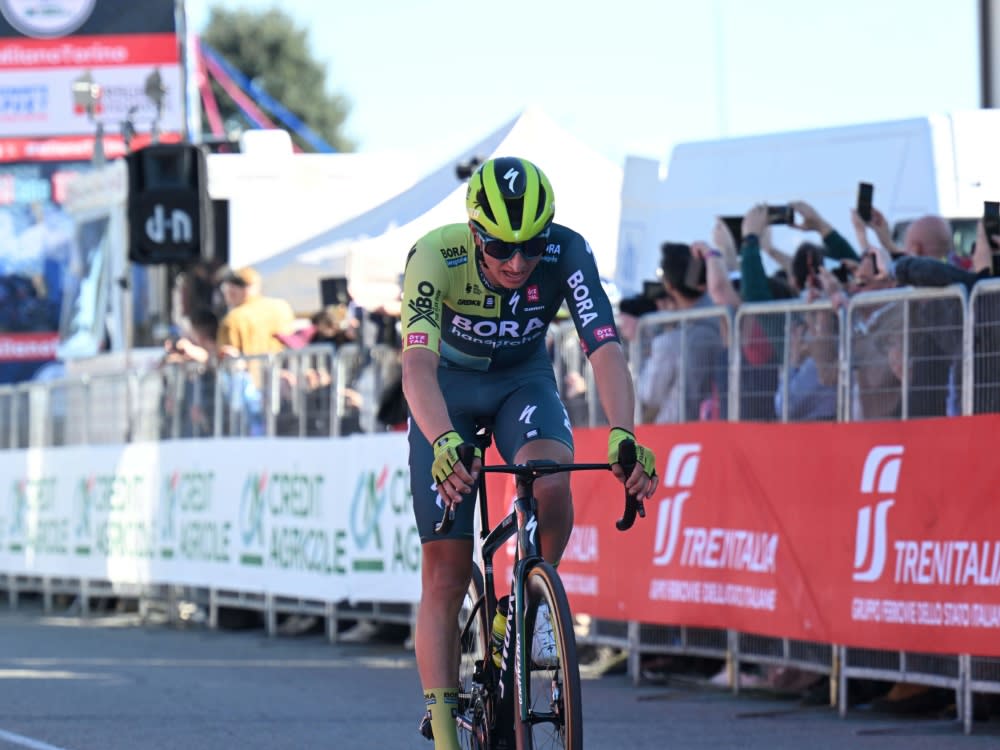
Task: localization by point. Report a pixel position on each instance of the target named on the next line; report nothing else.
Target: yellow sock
(442, 703)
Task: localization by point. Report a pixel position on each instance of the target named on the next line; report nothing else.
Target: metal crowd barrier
(893, 354)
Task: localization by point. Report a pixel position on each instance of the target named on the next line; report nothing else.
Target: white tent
(370, 249)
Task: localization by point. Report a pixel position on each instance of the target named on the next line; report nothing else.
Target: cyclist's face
(510, 273)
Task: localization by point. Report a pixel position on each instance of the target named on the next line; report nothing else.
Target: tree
(272, 52)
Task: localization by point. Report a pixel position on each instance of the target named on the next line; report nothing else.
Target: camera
(780, 215)
(653, 290)
(464, 169)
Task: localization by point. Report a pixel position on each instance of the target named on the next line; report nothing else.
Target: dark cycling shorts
(525, 405)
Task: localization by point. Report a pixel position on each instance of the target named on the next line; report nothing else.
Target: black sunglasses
(504, 251)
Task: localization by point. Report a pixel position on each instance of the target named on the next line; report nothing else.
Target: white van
(944, 164)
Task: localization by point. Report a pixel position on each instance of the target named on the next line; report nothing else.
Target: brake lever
(466, 454)
(633, 505)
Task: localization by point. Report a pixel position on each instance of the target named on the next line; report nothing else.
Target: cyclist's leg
(532, 423)
(446, 569)
(555, 503)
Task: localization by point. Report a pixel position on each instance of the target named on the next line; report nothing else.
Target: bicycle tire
(553, 691)
(475, 635)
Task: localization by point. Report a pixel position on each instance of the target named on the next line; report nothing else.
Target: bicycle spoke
(472, 719)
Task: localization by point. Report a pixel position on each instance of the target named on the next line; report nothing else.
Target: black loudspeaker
(333, 291)
(170, 214)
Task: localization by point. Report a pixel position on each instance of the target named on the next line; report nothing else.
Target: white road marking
(22, 741)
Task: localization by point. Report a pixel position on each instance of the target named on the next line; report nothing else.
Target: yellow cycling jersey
(450, 308)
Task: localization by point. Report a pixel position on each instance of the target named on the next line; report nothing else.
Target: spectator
(811, 392)
(701, 362)
(656, 383)
(929, 237)
(252, 320)
(762, 336)
(935, 340)
(332, 326)
(195, 358)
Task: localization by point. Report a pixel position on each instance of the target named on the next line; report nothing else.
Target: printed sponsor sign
(854, 534)
(850, 534)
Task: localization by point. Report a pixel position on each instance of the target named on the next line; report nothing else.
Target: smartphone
(735, 224)
(780, 215)
(695, 276)
(991, 221)
(864, 208)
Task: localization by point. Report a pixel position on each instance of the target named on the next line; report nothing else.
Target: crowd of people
(722, 275)
(231, 339)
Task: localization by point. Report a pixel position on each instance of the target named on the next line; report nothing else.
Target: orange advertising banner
(882, 534)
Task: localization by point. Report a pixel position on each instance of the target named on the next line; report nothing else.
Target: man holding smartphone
(685, 271)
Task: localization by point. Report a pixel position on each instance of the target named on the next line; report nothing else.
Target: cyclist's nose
(517, 262)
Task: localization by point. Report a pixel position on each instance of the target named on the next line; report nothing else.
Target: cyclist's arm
(614, 385)
(423, 393)
(425, 284)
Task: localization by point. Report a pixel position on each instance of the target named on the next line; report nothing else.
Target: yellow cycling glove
(446, 455)
(643, 456)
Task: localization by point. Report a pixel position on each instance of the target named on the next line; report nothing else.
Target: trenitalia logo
(880, 476)
(682, 467)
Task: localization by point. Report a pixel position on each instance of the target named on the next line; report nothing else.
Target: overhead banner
(879, 535)
(50, 52)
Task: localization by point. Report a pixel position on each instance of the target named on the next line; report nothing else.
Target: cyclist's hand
(453, 479)
(642, 483)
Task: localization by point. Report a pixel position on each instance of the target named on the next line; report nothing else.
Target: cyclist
(477, 300)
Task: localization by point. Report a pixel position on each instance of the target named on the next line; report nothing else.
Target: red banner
(880, 535)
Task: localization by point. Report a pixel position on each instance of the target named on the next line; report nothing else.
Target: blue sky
(632, 77)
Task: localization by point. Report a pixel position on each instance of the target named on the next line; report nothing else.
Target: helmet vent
(484, 205)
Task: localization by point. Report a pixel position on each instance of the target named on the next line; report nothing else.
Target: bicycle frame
(523, 522)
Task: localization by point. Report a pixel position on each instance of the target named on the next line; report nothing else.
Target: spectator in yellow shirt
(252, 320)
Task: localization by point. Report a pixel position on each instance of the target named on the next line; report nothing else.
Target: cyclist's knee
(553, 490)
(446, 571)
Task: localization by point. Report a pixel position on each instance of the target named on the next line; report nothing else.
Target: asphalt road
(111, 682)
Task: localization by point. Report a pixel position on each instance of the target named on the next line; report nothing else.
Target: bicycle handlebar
(538, 468)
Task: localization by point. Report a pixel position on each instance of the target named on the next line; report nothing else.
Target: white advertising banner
(67, 64)
(41, 103)
(327, 520)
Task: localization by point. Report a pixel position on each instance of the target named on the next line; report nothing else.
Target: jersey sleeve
(585, 296)
(425, 284)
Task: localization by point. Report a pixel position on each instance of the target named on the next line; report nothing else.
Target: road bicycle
(521, 704)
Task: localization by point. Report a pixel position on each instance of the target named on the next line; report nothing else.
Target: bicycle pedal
(425, 727)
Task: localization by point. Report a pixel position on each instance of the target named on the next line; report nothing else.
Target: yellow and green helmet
(510, 199)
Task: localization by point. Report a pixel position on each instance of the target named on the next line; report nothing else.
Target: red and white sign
(37, 78)
(878, 535)
(28, 347)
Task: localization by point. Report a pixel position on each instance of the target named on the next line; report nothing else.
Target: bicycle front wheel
(552, 681)
(475, 633)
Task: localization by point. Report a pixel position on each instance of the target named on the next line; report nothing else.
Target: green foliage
(271, 51)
